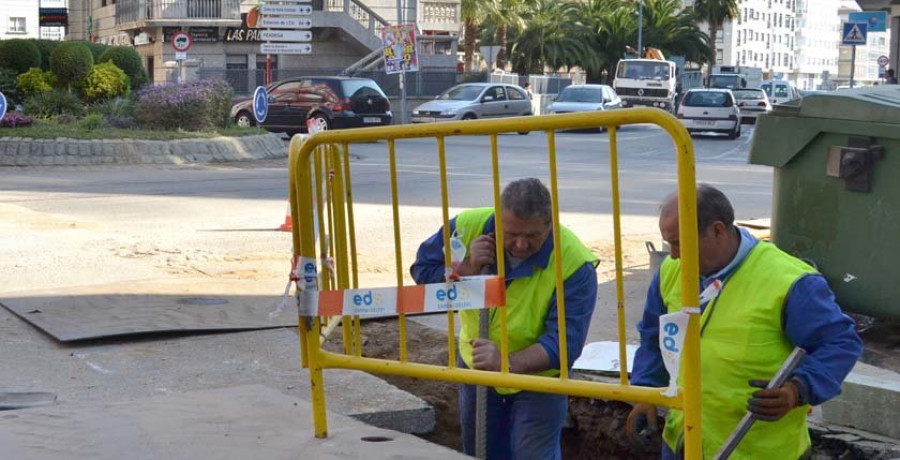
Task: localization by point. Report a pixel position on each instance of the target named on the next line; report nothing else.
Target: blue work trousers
(521, 426)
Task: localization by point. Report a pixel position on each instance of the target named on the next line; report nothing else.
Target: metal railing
(320, 184)
(359, 12)
(139, 10)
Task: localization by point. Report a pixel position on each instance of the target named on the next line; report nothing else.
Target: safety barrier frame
(329, 151)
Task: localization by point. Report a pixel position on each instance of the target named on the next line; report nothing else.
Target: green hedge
(71, 62)
(19, 55)
(127, 59)
(36, 81)
(104, 82)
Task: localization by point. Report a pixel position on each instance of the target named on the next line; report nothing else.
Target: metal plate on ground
(250, 421)
(151, 306)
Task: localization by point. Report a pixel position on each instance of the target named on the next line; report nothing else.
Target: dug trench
(595, 429)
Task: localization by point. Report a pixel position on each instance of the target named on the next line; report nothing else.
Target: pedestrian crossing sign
(854, 33)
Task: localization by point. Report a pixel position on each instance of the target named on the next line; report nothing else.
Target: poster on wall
(400, 53)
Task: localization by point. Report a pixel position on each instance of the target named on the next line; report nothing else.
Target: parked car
(471, 101)
(751, 103)
(779, 91)
(585, 98)
(334, 102)
(708, 109)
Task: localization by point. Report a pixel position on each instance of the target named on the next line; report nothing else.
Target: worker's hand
(771, 405)
(485, 355)
(641, 424)
(482, 252)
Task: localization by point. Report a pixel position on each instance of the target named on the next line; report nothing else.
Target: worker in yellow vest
(767, 302)
(521, 424)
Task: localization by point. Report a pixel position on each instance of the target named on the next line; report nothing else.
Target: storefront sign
(204, 34)
(53, 17)
(244, 33)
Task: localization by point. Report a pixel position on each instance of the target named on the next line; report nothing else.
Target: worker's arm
(429, 264)
(581, 297)
(648, 369)
(813, 321)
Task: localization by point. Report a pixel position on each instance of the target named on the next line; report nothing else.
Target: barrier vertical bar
(557, 252)
(293, 200)
(445, 211)
(398, 253)
(617, 232)
(304, 230)
(351, 226)
(320, 208)
(339, 237)
(501, 260)
(690, 297)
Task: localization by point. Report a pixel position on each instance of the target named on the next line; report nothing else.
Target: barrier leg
(317, 383)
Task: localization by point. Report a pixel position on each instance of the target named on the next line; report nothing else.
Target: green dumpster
(836, 191)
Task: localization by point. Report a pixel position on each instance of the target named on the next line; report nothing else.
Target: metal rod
(398, 253)
(557, 252)
(617, 233)
(445, 203)
(746, 423)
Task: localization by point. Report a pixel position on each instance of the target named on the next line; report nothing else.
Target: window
(515, 94)
(719, 54)
(497, 93)
(16, 25)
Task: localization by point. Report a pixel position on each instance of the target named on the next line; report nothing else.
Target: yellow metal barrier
(320, 176)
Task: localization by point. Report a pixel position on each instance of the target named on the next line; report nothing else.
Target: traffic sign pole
(852, 65)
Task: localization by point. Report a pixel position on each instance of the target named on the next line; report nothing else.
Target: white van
(779, 91)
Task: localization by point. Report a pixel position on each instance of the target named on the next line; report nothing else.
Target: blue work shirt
(811, 320)
(580, 290)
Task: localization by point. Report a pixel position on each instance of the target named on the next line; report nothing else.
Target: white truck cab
(646, 83)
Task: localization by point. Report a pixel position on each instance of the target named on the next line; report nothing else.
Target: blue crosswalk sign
(854, 33)
(3, 105)
(260, 104)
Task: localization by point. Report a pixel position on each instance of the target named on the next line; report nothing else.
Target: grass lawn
(43, 129)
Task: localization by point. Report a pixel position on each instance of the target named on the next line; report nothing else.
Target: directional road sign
(876, 20)
(286, 23)
(260, 104)
(286, 35)
(3, 105)
(296, 10)
(854, 33)
(285, 48)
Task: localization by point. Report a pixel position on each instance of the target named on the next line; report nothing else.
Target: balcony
(132, 14)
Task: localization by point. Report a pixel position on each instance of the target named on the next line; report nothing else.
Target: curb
(19, 151)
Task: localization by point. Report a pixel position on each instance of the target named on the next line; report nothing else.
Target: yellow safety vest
(527, 299)
(742, 339)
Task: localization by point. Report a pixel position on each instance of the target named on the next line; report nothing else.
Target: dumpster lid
(876, 105)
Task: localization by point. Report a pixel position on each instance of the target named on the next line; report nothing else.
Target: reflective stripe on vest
(527, 299)
(742, 339)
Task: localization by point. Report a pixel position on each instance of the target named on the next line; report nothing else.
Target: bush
(19, 55)
(71, 62)
(9, 86)
(52, 103)
(117, 112)
(105, 81)
(36, 81)
(46, 47)
(195, 106)
(92, 122)
(15, 120)
(127, 59)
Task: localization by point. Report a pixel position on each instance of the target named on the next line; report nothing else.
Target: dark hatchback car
(333, 102)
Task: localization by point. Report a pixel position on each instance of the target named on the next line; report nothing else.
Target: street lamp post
(640, 48)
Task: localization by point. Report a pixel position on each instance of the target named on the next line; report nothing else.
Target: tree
(552, 37)
(71, 62)
(609, 26)
(715, 13)
(127, 59)
(19, 55)
(674, 30)
(506, 14)
(472, 14)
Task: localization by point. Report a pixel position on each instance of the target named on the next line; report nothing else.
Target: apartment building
(19, 19)
(227, 43)
(818, 38)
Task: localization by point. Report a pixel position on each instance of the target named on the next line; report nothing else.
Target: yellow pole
(445, 203)
(340, 239)
(557, 252)
(305, 233)
(293, 199)
(617, 232)
(351, 225)
(501, 262)
(398, 249)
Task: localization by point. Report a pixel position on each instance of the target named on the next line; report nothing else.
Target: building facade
(19, 19)
(226, 35)
(818, 38)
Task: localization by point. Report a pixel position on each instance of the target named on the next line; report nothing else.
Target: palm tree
(674, 30)
(715, 13)
(551, 38)
(506, 14)
(609, 26)
(473, 13)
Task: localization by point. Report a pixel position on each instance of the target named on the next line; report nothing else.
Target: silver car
(471, 101)
(585, 98)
